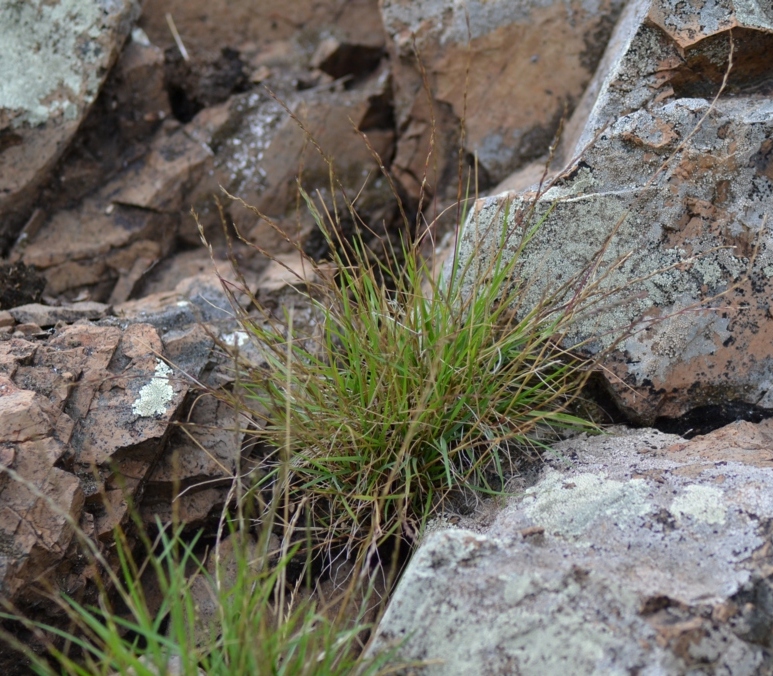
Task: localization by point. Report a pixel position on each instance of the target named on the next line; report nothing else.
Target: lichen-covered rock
(54, 57)
(527, 61)
(643, 554)
(83, 420)
(673, 200)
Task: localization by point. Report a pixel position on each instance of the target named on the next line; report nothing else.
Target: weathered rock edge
(647, 554)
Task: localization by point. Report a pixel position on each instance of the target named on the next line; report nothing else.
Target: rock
(83, 420)
(113, 238)
(222, 568)
(116, 133)
(28, 330)
(206, 448)
(197, 467)
(55, 58)
(346, 59)
(136, 88)
(260, 150)
(88, 248)
(46, 315)
(527, 65)
(695, 330)
(204, 81)
(644, 553)
(160, 181)
(198, 298)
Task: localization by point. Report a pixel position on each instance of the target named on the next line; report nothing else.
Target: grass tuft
(407, 391)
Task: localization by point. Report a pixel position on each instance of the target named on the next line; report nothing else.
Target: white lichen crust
(156, 395)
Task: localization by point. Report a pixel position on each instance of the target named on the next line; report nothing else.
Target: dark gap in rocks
(380, 113)
(705, 419)
(359, 61)
(597, 403)
(705, 64)
(183, 108)
(20, 284)
(203, 82)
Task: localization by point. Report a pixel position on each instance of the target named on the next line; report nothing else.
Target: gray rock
(674, 197)
(54, 57)
(258, 149)
(644, 554)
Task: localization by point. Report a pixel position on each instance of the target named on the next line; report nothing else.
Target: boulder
(510, 71)
(55, 56)
(637, 552)
(261, 153)
(670, 201)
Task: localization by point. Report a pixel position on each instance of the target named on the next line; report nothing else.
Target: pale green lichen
(57, 45)
(702, 503)
(570, 506)
(156, 395)
(710, 272)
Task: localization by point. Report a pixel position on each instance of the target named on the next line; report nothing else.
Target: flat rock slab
(639, 553)
(48, 315)
(54, 57)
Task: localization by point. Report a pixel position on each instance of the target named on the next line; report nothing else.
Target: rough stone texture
(209, 25)
(19, 285)
(639, 553)
(527, 61)
(54, 57)
(223, 571)
(107, 243)
(701, 219)
(200, 462)
(47, 315)
(83, 420)
(260, 152)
